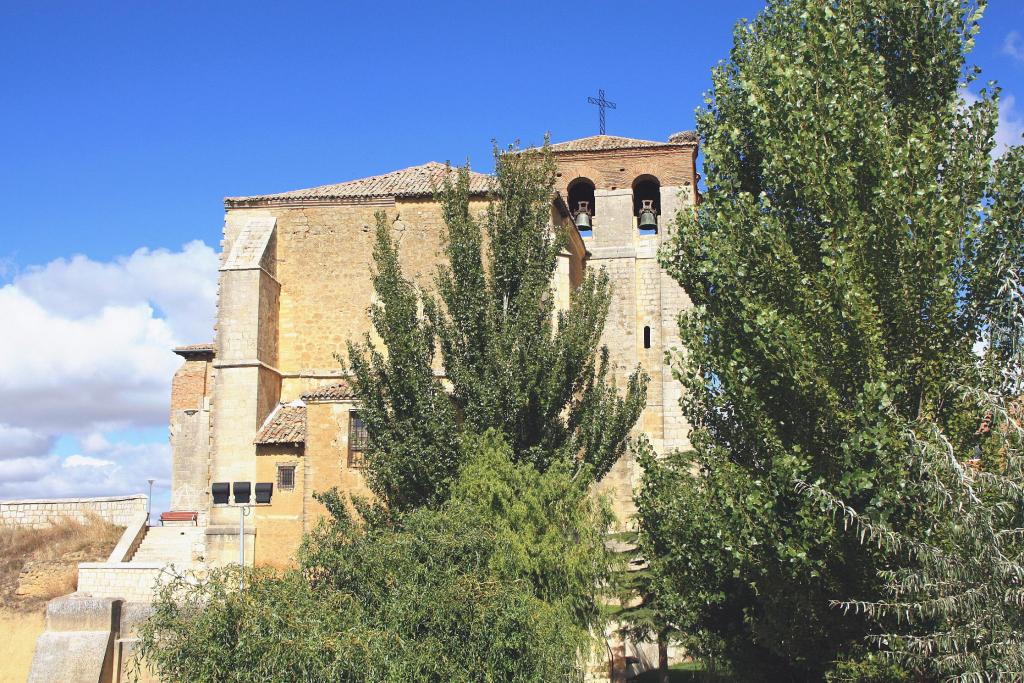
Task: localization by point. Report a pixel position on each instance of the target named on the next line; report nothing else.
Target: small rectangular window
(358, 438)
(286, 477)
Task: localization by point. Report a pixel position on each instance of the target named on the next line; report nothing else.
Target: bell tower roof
(602, 143)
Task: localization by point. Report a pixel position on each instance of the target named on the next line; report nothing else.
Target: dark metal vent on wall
(263, 492)
(221, 491)
(242, 490)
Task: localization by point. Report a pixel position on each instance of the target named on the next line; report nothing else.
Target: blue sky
(124, 125)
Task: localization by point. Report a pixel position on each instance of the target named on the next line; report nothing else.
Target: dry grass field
(35, 566)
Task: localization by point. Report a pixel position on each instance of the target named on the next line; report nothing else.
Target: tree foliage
(952, 607)
(640, 610)
(496, 584)
(510, 362)
(842, 265)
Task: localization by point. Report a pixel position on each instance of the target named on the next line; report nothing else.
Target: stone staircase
(90, 634)
(177, 545)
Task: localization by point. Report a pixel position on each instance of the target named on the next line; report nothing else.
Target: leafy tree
(643, 611)
(638, 610)
(510, 363)
(496, 584)
(842, 265)
(953, 597)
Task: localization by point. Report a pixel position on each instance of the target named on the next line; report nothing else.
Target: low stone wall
(133, 581)
(119, 510)
(131, 539)
(77, 643)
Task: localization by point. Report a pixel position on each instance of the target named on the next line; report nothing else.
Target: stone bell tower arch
(627, 177)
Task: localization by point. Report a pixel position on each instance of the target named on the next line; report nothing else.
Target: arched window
(647, 336)
(647, 204)
(581, 205)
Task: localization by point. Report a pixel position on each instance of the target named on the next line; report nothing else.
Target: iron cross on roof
(601, 103)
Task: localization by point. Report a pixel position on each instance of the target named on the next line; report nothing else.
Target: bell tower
(624, 194)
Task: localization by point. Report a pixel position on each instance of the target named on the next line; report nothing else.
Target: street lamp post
(149, 504)
(243, 512)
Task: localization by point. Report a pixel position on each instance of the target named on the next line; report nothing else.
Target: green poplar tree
(841, 267)
(510, 362)
(951, 607)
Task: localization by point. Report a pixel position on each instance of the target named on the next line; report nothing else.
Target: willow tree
(510, 362)
(842, 266)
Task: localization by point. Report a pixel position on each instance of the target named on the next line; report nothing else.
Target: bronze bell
(583, 216)
(648, 219)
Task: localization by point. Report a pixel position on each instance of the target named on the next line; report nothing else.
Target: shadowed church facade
(264, 414)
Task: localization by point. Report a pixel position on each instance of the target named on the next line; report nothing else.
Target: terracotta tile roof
(195, 349)
(415, 181)
(600, 143)
(287, 424)
(342, 391)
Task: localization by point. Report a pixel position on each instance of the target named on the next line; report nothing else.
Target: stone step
(169, 544)
(182, 555)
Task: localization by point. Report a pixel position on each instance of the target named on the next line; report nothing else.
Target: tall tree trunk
(662, 657)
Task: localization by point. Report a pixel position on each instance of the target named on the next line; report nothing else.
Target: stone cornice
(230, 204)
(239, 269)
(245, 363)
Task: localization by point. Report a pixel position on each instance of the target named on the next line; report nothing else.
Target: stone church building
(264, 414)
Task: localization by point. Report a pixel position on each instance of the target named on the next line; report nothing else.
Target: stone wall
(673, 166)
(189, 386)
(190, 431)
(280, 523)
(90, 639)
(325, 254)
(246, 379)
(117, 510)
(646, 301)
(125, 580)
(322, 463)
(77, 644)
(295, 287)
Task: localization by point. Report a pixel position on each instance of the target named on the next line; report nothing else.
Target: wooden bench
(179, 517)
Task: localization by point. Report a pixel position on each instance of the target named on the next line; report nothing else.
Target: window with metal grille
(358, 437)
(286, 477)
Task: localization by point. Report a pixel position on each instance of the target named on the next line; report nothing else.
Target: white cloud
(122, 469)
(1013, 46)
(180, 286)
(1011, 124)
(66, 373)
(20, 442)
(87, 350)
(20, 470)
(95, 442)
(86, 461)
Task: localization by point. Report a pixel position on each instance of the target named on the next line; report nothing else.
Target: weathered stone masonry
(119, 510)
(268, 395)
(295, 287)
